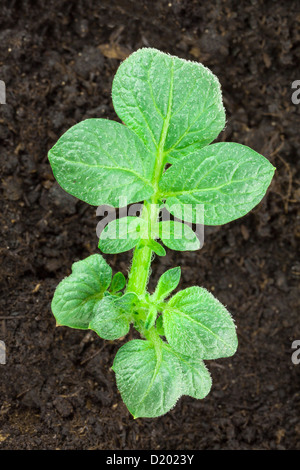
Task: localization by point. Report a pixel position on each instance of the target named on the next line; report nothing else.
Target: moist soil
(57, 387)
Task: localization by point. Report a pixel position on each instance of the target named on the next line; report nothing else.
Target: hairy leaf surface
(150, 383)
(168, 101)
(100, 161)
(167, 282)
(118, 282)
(157, 248)
(76, 295)
(152, 380)
(112, 316)
(196, 324)
(196, 380)
(228, 179)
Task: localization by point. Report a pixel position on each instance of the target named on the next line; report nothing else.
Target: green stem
(141, 262)
(140, 269)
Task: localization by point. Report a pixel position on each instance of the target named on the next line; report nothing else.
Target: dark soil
(58, 61)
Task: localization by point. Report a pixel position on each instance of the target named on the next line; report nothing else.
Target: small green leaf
(112, 316)
(196, 324)
(118, 283)
(100, 161)
(156, 247)
(159, 326)
(178, 236)
(228, 179)
(120, 235)
(151, 317)
(149, 380)
(159, 96)
(76, 295)
(167, 283)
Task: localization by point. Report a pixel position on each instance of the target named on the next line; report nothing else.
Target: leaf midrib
(199, 190)
(160, 156)
(106, 167)
(188, 317)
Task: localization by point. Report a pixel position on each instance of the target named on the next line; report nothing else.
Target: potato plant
(171, 110)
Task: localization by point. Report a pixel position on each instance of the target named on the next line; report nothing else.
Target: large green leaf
(152, 378)
(150, 381)
(227, 179)
(196, 324)
(169, 102)
(112, 316)
(76, 295)
(100, 161)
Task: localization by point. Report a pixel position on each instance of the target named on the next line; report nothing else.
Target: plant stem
(141, 262)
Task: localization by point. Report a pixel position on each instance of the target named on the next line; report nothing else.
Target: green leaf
(76, 295)
(100, 161)
(167, 283)
(156, 247)
(196, 380)
(112, 316)
(178, 236)
(168, 101)
(228, 179)
(196, 324)
(159, 326)
(149, 380)
(151, 317)
(120, 235)
(118, 283)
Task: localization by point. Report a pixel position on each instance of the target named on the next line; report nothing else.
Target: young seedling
(172, 110)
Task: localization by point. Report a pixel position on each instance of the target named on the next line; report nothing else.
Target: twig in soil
(24, 392)
(93, 355)
(13, 318)
(215, 364)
